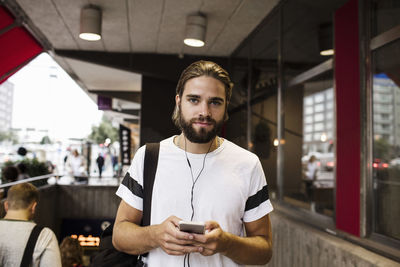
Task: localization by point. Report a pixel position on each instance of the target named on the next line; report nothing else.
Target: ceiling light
(325, 39)
(195, 30)
(90, 23)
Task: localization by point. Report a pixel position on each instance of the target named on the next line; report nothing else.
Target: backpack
(108, 255)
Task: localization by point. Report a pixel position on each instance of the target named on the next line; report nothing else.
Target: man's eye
(215, 103)
(193, 100)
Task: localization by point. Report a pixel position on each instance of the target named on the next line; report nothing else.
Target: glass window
(308, 119)
(318, 127)
(308, 101)
(386, 143)
(329, 94)
(308, 128)
(385, 15)
(317, 137)
(319, 98)
(309, 110)
(307, 182)
(319, 117)
(319, 107)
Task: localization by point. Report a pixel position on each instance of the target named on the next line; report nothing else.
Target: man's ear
(6, 206)
(33, 209)
(177, 100)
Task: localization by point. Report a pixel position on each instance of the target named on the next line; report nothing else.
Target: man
(200, 177)
(100, 164)
(16, 228)
(76, 164)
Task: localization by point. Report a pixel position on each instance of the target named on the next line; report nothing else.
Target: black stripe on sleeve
(133, 185)
(258, 198)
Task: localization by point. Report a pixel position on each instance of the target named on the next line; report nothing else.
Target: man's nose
(204, 109)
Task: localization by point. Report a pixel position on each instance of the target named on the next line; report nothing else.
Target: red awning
(17, 46)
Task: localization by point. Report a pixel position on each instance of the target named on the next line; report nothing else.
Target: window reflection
(386, 140)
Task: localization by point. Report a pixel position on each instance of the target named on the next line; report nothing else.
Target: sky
(46, 98)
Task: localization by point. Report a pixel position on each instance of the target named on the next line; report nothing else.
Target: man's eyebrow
(192, 96)
(216, 99)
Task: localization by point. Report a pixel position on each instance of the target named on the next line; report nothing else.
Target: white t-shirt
(14, 235)
(231, 189)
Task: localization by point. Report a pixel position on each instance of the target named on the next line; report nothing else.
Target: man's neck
(196, 148)
(22, 215)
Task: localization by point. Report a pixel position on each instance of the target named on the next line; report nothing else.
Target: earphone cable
(187, 256)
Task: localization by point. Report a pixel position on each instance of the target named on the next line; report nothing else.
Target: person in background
(17, 226)
(9, 175)
(311, 175)
(76, 164)
(23, 171)
(114, 162)
(71, 252)
(100, 163)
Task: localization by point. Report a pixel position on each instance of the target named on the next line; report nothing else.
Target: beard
(202, 136)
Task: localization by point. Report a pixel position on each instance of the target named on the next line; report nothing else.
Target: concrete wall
(297, 244)
(75, 202)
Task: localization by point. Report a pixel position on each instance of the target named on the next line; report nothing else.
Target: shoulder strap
(28, 252)
(149, 173)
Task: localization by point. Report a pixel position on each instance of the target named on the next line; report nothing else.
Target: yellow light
(323, 137)
(328, 52)
(193, 42)
(87, 241)
(276, 142)
(89, 36)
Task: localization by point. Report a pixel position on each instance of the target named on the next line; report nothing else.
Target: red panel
(347, 75)
(17, 48)
(5, 18)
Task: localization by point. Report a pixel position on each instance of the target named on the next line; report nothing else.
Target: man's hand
(214, 241)
(255, 248)
(173, 241)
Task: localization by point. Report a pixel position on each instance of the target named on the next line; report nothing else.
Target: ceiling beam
(161, 66)
(123, 95)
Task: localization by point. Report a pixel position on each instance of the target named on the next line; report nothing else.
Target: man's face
(202, 109)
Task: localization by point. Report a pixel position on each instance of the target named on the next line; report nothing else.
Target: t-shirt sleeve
(51, 253)
(131, 187)
(258, 203)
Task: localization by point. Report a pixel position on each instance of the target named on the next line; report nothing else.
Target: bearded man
(200, 177)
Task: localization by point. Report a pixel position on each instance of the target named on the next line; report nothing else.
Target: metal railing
(32, 179)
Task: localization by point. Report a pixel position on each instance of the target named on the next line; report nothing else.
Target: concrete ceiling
(136, 26)
(148, 26)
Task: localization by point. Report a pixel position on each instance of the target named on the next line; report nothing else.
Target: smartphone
(192, 227)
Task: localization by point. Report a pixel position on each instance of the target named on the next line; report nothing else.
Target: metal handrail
(32, 179)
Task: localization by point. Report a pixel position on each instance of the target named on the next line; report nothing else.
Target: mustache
(207, 119)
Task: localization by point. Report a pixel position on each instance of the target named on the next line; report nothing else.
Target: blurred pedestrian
(114, 161)
(76, 164)
(100, 164)
(71, 252)
(23, 171)
(9, 175)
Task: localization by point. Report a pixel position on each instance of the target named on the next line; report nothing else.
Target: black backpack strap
(28, 253)
(149, 173)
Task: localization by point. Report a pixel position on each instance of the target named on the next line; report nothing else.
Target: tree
(45, 140)
(103, 131)
(382, 149)
(8, 136)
